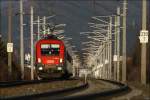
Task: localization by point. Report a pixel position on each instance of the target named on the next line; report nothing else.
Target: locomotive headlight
(60, 60)
(59, 68)
(40, 68)
(39, 60)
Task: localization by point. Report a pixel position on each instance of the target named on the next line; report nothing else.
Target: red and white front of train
(50, 55)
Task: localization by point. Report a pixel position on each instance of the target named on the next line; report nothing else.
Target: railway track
(28, 89)
(99, 89)
(26, 82)
(92, 90)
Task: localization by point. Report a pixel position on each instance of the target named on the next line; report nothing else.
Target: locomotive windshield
(50, 49)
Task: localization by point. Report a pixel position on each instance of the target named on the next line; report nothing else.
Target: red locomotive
(52, 58)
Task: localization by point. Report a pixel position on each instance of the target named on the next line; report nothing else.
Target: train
(52, 59)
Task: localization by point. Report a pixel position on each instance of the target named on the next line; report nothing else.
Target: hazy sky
(75, 14)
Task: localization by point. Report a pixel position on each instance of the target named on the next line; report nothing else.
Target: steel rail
(50, 93)
(28, 82)
(102, 94)
(55, 95)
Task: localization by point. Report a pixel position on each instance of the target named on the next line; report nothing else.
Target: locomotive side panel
(69, 63)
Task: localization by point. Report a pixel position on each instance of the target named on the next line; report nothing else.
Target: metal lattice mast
(143, 41)
(21, 40)
(115, 50)
(100, 58)
(110, 48)
(32, 46)
(106, 51)
(124, 43)
(118, 43)
(10, 38)
(38, 25)
(103, 57)
(104, 65)
(44, 23)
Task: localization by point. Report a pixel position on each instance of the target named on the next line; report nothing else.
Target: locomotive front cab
(50, 57)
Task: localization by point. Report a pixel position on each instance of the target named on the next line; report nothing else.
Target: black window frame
(55, 52)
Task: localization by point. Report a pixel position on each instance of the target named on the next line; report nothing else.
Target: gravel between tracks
(38, 88)
(96, 86)
(138, 92)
